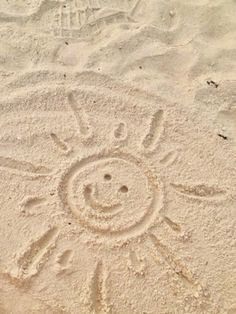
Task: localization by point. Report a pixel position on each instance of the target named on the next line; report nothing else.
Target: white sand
(117, 156)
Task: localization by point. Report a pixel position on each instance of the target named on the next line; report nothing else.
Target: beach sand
(117, 156)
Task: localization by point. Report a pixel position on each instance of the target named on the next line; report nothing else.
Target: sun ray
(65, 258)
(199, 191)
(120, 132)
(84, 127)
(64, 262)
(31, 202)
(156, 127)
(173, 225)
(175, 264)
(169, 158)
(32, 260)
(135, 7)
(59, 143)
(137, 264)
(23, 167)
(97, 290)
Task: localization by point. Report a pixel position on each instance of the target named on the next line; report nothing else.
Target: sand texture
(118, 157)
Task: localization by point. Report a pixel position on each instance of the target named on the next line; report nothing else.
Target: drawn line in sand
(137, 265)
(65, 258)
(135, 7)
(120, 132)
(31, 202)
(63, 263)
(173, 225)
(23, 167)
(91, 193)
(155, 130)
(84, 127)
(35, 256)
(169, 158)
(199, 191)
(176, 265)
(97, 291)
(60, 144)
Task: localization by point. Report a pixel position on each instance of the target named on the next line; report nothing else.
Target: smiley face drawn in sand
(106, 207)
(112, 195)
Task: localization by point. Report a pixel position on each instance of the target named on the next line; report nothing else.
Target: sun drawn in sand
(112, 195)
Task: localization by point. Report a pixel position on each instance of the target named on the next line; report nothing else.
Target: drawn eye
(107, 177)
(124, 189)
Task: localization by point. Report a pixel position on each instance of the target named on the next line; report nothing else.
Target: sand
(117, 156)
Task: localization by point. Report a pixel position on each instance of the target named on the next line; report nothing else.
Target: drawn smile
(90, 193)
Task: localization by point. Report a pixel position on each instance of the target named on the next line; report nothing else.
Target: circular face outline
(137, 229)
